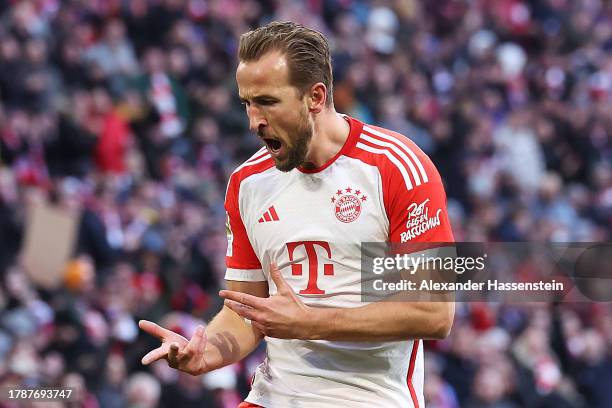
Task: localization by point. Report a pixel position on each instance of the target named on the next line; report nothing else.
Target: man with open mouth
(297, 213)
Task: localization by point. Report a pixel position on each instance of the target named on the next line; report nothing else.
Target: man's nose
(256, 120)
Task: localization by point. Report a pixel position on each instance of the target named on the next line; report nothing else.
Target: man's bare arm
(284, 315)
(384, 321)
(227, 338)
(398, 317)
(230, 337)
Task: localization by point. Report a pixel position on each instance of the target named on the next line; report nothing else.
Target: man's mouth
(273, 145)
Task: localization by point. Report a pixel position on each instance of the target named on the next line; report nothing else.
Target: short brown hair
(306, 50)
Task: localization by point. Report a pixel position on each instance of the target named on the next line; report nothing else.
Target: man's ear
(317, 96)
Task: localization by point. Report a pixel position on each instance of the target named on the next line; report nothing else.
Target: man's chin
(284, 165)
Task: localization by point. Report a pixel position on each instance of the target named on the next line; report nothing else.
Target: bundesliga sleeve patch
(229, 234)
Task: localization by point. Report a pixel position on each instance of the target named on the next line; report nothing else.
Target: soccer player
(297, 212)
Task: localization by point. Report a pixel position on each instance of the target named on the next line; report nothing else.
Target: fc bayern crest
(348, 203)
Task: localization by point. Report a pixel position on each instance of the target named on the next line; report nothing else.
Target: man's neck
(330, 133)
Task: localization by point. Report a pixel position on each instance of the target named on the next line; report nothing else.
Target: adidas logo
(269, 215)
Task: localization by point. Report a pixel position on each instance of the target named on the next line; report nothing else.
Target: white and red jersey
(380, 187)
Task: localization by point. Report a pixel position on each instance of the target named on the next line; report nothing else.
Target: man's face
(275, 108)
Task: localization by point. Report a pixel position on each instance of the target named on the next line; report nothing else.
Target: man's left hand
(282, 315)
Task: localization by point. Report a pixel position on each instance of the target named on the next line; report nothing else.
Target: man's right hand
(182, 354)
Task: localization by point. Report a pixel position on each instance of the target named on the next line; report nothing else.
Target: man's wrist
(320, 322)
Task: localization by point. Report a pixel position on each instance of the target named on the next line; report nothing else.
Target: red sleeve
(416, 213)
(240, 254)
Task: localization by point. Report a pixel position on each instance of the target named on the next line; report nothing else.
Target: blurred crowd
(126, 113)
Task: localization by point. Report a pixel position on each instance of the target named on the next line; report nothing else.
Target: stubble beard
(296, 155)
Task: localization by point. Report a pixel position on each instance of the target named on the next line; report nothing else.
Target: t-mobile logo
(313, 264)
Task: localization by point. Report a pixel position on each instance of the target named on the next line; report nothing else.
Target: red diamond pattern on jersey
(348, 205)
(269, 215)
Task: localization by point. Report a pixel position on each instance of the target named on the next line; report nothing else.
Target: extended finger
(242, 310)
(197, 342)
(155, 329)
(277, 278)
(154, 355)
(244, 298)
(173, 355)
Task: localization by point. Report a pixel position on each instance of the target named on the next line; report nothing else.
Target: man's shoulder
(390, 135)
(257, 163)
(394, 153)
